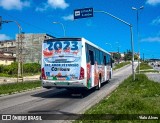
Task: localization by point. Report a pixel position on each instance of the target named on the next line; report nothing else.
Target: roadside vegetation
(139, 97)
(144, 67)
(127, 56)
(11, 70)
(18, 87)
(122, 64)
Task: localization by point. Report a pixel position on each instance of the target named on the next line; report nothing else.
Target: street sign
(83, 13)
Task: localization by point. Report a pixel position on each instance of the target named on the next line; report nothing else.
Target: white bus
(74, 63)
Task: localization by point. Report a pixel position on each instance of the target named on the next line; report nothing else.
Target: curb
(2, 95)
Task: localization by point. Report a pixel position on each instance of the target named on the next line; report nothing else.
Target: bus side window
(104, 61)
(87, 54)
(91, 57)
(107, 59)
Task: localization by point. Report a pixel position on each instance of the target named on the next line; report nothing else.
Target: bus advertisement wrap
(62, 60)
(74, 63)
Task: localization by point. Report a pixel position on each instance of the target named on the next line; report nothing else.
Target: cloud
(69, 17)
(4, 37)
(156, 21)
(14, 4)
(44, 7)
(58, 4)
(61, 4)
(153, 2)
(151, 39)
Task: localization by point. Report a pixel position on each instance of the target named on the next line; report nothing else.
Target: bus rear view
(62, 63)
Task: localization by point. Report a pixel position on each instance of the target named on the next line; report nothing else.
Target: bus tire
(48, 87)
(99, 85)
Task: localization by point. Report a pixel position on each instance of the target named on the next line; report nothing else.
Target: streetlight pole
(20, 60)
(64, 32)
(137, 11)
(131, 33)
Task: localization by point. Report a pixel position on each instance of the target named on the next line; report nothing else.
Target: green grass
(6, 75)
(15, 75)
(117, 66)
(145, 68)
(148, 71)
(139, 97)
(17, 87)
(31, 74)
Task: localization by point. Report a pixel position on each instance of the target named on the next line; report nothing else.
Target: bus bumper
(64, 84)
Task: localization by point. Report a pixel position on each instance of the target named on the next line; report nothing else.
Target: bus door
(91, 59)
(105, 68)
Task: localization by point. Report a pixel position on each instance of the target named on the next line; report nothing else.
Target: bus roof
(94, 45)
(64, 39)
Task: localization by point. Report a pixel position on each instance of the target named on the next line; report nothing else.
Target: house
(6, 58)
(8, 46)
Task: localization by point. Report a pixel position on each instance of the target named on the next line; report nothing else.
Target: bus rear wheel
(99, 85)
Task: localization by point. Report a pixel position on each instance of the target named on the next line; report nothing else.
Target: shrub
(13, 68)
(31, 68)
(1, 68)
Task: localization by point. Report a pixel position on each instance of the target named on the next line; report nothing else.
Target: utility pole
(20, 57)
(118, 54)
(19, 48)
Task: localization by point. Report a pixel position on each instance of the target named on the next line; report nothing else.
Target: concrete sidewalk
(5, 80)
(154, 76)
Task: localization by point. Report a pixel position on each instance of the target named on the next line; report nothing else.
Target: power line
(33, 26)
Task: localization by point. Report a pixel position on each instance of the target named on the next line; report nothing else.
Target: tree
(116, 56)
(135, 57)
(128, 56)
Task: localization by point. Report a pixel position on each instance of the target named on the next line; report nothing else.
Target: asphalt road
(156, 68)
(154, 65)
(58, 101)
(154, 76)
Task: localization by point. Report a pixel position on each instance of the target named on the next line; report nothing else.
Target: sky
(37, 16)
